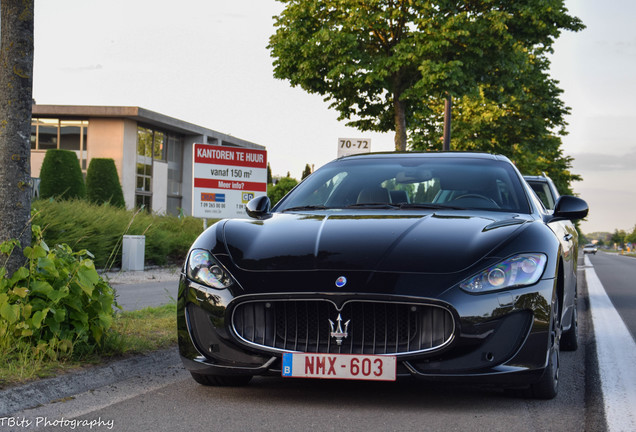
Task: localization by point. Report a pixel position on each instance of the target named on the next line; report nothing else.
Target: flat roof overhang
(140, 115)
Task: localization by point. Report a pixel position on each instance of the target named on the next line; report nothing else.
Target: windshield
(410, 182)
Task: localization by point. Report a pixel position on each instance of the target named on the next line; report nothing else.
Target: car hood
(432, 243)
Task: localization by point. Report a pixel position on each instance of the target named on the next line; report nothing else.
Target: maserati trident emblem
(341, 281)
(337, 331)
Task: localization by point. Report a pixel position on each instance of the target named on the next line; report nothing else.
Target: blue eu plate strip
(287, 364)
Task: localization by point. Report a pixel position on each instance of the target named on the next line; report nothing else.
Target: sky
(207, 62)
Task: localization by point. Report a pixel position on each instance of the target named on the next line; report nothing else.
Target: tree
(102, 183)
(16, 84)
(306, 171)
(526, 126)
(379, 62)
(269, 174)
(61, 175)
(618, 238)
(280, 189)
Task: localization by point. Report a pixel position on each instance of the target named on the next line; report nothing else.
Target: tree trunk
(16, 90)
(400, 123)
(448, 105)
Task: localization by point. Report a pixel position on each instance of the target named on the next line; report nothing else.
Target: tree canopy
(384, 64)
(525, 125)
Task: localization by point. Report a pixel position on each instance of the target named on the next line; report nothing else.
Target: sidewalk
(149, 274)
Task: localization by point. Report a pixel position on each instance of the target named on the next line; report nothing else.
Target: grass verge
(132, 333)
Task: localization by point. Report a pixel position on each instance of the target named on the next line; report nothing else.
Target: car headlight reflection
(517, 271)
(203, 268)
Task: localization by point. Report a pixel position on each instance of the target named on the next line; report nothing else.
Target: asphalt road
(618, 275)
(161, 396)
(136, 296)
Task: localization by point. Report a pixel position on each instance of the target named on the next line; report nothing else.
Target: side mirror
(258, 208)
(569, 207)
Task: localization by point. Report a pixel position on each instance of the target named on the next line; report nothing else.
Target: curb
(58, 388)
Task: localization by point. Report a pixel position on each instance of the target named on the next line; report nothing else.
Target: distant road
(618, 275)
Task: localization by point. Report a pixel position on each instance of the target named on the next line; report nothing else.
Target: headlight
(203, 268)
(517, 271)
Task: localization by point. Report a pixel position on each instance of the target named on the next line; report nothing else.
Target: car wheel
(570, 338)
(548, 385)
(221, 380)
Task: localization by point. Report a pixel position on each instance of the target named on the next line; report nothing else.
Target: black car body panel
(408, 264)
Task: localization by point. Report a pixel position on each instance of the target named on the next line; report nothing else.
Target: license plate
(339, 366)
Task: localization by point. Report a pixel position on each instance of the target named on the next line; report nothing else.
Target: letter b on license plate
(339, 366)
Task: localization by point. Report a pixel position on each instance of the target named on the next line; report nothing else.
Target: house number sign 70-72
(349, 146)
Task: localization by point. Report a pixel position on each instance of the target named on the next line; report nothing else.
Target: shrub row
(61, 177)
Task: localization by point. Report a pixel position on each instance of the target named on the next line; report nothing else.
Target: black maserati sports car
(441, 266)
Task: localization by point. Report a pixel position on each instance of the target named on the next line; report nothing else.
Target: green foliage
(61, 175)
(135, 332)
(102, 183)
(618, 238)
(306, 172)
(279, 190)
(100, 229)
(269, 174)
(527, 128)
(379, 63)
(56, 303)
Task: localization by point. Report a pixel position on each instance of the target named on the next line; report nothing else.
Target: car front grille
(371, 327)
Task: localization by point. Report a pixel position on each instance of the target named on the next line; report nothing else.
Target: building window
(158, 145)
(50, 133)
(174, 157)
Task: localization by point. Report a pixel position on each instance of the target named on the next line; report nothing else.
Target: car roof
(459, 155)
(541, 178)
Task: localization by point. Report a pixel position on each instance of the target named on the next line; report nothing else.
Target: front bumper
(498, 338)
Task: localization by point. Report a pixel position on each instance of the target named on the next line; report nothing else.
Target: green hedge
(102, 183)
(61, 175)
(100, 228)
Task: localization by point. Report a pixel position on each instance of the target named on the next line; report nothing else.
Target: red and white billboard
(225, 179)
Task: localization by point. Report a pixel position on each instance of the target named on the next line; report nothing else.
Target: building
(152, 152)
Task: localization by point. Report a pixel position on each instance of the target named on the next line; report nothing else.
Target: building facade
(152, 152)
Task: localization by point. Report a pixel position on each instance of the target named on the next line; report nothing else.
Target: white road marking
(616, 353)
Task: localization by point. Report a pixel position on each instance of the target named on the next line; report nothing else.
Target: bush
(61, 175)
(100, 228)
(280, 189)
(102, 183)
(56, 302)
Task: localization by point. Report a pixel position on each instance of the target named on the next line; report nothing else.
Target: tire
(548, 386)
(570, 338)
(221, 380)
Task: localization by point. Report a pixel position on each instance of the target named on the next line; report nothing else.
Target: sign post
(225, 179)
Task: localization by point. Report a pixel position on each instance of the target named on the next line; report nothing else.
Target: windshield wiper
(431, 206)
(373, 205)
(307, 207)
